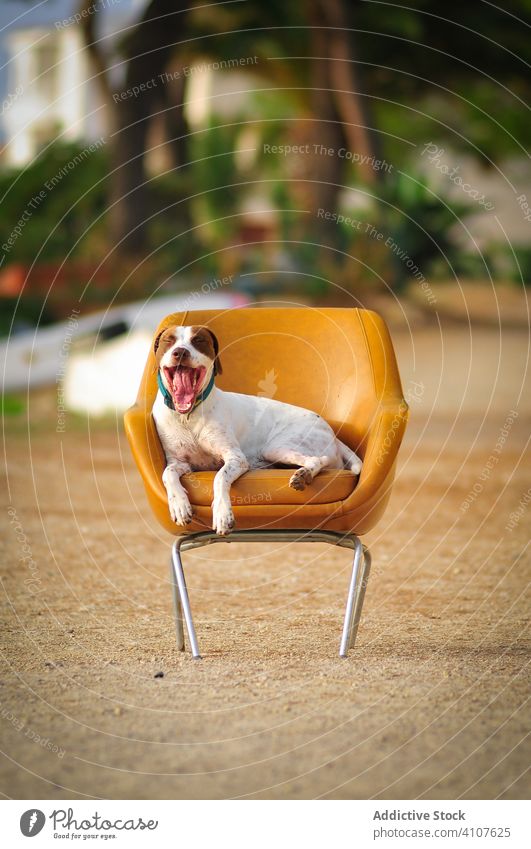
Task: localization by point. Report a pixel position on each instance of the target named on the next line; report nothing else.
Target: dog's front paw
(222, 519)
(355, 466)
(180, 509)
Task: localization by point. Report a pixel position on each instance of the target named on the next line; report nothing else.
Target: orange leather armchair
(339, 363)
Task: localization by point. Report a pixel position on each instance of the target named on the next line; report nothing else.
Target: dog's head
(186, 358)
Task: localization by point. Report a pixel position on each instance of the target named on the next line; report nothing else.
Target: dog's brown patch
(163, 342)
(206, 343)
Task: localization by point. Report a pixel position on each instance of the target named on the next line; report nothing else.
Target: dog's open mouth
(185, 384)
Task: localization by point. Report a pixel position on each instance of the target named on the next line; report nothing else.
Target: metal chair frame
(356, 592)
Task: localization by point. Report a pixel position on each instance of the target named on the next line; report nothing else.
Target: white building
(46, 86)
(49, 70)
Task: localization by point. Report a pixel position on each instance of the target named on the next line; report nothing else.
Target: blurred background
(160, 154)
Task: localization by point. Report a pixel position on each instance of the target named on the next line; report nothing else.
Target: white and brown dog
(202, 428)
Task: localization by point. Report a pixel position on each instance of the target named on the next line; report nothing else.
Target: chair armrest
(146, 447)
(384, 439)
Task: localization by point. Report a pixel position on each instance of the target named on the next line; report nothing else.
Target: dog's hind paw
(300, 479)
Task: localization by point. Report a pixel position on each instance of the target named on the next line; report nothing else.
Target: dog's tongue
(183, 389)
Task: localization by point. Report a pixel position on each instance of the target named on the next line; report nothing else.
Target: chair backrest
(338, 362)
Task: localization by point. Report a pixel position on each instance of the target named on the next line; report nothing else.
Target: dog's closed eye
(164, 339)
(206, 342)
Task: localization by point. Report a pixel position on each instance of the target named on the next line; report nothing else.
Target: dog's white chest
(180, 441)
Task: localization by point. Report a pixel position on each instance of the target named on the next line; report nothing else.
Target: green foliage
(12, 405)
(407, 227)
(172, 234)
(466, 121)
(519, 261)
(53, 208)
(214, 174)
(419, 221)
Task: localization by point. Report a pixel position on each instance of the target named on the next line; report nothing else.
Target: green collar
(168, 400)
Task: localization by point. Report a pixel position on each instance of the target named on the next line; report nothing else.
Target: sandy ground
(430, 704)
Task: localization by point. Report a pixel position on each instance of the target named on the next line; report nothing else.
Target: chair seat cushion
(271, 486)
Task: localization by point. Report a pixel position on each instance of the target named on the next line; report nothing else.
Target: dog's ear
(217, 361)
(157, 341)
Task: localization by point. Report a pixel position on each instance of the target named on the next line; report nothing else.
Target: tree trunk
(345, 82)
(175, 123)
(147, 51)
(327, 169)
(129, 192)
(327, 135)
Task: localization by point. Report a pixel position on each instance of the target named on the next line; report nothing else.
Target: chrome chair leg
(183, 602)
(351, 599)
(361, 568)
(360, 597)
(356, 593)
(177, 607)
